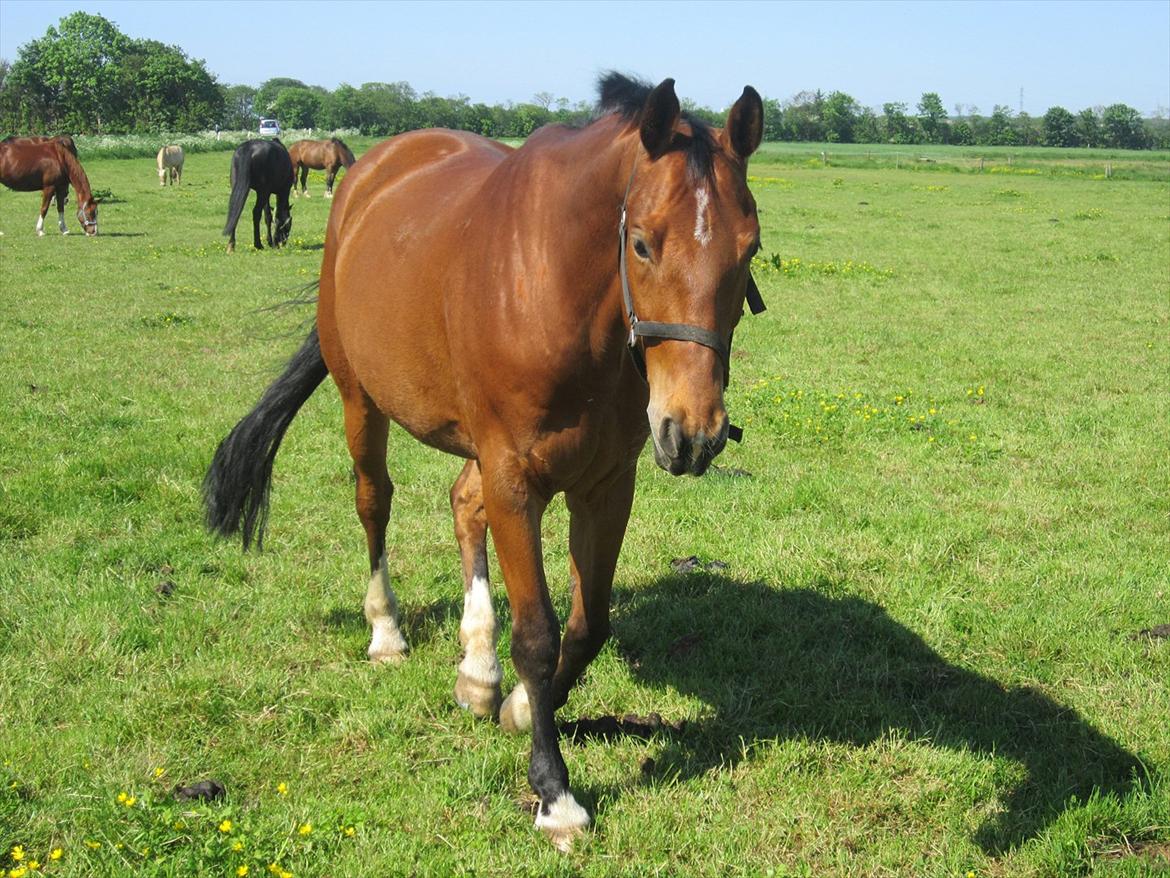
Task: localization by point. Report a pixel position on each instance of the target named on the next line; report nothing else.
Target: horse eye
(641, 249)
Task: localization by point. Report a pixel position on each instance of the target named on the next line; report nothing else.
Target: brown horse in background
(322, 155)
(487, 299)
(48, 164)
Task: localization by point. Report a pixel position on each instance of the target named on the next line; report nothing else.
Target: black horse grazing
(262, 165)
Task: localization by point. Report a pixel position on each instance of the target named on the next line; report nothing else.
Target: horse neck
(77, 178)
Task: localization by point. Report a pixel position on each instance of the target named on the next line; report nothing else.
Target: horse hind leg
(62, 194)
(477, 687)
(366, 430)
(46, 200)
(330, 175)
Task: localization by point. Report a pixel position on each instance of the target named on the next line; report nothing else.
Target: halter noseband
(85, 224)
(676, 331)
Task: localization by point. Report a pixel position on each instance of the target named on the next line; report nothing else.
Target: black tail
(241, 183)
(235, 489)
(347, 158)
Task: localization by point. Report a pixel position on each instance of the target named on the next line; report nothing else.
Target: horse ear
(659, 116)
(745, 123)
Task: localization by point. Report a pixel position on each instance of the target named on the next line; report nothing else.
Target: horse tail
(235, 489)
(241, 183)
(347, 157)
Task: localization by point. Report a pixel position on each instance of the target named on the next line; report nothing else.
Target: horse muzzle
(678, 452)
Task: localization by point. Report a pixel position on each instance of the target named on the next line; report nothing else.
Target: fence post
(980, 164)
(1108, 170)
(824, 158)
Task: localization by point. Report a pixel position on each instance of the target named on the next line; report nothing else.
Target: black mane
(626, 96)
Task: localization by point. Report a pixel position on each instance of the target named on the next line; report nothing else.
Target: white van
(269, 128)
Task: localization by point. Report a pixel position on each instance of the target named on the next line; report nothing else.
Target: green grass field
(945, 528)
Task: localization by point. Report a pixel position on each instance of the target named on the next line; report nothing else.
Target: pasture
(940, 539)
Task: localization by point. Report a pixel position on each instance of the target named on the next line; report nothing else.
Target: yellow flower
(282, 788)
(349, 831)
(238, 846)
(160, 771)
(33, 865)
(18, 852)
(226, 826)
(305, 829)
(242, 871)
(55, 854)
(122, 798)
(18, 872)
(93, 845)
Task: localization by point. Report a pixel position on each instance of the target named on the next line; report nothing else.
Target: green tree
(1088, 128)
(999, 127)
(932, 117)
(162, 90)
(238, 107)
(840, 113)
(1122, 127)
(900, 128)
(269, 90)
(297, 107)
(1059, 127)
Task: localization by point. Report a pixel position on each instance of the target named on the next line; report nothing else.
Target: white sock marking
(386, 642)
(478, 632)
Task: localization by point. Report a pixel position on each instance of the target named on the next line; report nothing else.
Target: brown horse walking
(50, 165)
(488, 299)
(322, 155)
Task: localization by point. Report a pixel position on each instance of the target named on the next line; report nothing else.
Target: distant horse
(488, 299)
(48, 164)
(170, 165)
(262, 165)
(323, 155)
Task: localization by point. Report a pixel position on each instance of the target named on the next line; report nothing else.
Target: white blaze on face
(702, 223)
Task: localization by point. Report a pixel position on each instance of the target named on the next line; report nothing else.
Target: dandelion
(930, 439)
(18, 852)
(349, 831)
(92, 845)
(225, 826)
(159, 772)
(56, 854)
(34, 865)
(238, 846)
(282, 788)
(972, 437)
(306, 828)
(18, 872)
(242, 871)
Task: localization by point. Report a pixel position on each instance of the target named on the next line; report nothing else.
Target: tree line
(86, 76)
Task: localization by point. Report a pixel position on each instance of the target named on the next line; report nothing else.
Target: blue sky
(1072, 54)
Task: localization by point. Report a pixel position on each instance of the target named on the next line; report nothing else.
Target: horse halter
(675, 331)
(85, 224)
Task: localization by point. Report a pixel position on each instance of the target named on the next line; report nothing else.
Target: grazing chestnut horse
(48, 164)
(491, 301)
(323, 155)
(170, 165)
(64, 139)
(262, 165)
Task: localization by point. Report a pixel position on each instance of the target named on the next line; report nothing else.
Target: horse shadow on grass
(776, 663)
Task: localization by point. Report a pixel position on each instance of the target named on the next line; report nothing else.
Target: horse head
(87, 215)
(283, 222)
(688, 235)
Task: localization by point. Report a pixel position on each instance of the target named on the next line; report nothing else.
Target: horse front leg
(514, 510)
(477, 687)
(330, 175)
(268, 219)
(597, 526)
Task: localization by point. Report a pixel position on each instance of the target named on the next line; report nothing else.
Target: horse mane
(626, 96)
(76, 173)
(347, 156)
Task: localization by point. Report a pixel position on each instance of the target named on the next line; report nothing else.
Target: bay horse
(50, 165)
(170, 165)
(489, 300)
(262, 165)
(322, 155)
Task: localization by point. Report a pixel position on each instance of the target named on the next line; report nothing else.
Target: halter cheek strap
(676, 331)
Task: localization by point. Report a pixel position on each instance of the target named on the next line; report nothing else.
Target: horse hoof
(40, 233)
(563, 821)
(515, 714)
(387, 646)
(482, 700)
